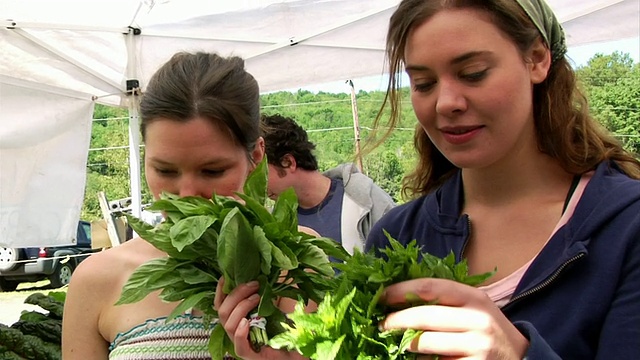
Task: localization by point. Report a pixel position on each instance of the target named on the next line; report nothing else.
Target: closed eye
(424, 87)
(212, 172)
(166, 172)
(475, 76)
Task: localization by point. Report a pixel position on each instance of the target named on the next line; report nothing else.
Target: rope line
(68, 256)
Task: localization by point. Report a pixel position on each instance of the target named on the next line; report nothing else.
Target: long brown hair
(565, 130)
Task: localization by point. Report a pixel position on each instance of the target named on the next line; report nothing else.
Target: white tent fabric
(88, 49)
(43, 157)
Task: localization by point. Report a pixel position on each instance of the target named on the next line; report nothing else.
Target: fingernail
(244, 322)
(253, 284)
(254, 297)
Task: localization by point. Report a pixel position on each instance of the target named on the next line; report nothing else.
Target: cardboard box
(100, 235)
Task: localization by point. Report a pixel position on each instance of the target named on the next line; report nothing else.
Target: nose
(450, 99)
(190, 186)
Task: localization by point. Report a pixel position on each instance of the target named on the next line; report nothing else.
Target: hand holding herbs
(346, 324)
(240, 240)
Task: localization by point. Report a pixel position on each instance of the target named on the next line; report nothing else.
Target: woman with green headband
(513, 175)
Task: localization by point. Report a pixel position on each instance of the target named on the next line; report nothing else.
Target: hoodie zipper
(546, 282)
(466, 241)
(538, 287)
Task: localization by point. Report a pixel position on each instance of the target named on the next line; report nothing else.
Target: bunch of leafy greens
(240, 240)
(37, 335)
(345, 326)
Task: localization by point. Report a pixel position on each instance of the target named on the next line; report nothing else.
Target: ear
(539, 61)
(258, 151)
(289, 162)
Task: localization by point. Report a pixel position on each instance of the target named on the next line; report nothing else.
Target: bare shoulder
(87, 328)
(90, 292)
(107, 267)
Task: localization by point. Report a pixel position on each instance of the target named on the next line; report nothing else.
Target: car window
(87, 230)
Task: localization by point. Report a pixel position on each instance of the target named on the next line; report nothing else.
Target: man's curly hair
(282, 136)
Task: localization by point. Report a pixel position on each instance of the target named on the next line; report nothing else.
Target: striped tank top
(186, 337)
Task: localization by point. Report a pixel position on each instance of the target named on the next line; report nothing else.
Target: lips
(459, 130)
(458, 135)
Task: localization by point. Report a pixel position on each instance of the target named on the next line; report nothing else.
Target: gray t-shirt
(325, 217)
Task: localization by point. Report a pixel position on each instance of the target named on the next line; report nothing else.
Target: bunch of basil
(241, 240)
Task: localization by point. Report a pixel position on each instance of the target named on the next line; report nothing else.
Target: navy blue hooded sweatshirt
(580, 298)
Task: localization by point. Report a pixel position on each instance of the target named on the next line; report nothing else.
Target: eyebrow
(457, 60)
(167, 163)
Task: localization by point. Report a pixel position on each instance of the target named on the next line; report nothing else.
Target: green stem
(257, 332)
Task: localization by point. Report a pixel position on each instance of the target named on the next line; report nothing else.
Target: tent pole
(134, 157)
(356, 125)
(133, 88)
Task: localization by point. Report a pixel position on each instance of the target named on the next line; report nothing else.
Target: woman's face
(195, 158)
(471, 90)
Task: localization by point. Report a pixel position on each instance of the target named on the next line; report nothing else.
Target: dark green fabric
(545, 20)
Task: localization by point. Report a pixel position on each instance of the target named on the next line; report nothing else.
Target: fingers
(438, 318)
(232, 313)
(242, 346)
(244, 350)
(453, 344)
(449, 331)
(441, 291)
(234, 307)
(220, 295)
(243, 298)
(463, 322)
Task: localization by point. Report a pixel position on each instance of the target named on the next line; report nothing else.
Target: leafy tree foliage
(612, 85)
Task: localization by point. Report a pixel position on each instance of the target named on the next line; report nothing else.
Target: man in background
(341, 203)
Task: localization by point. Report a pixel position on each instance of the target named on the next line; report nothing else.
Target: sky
(579, 55)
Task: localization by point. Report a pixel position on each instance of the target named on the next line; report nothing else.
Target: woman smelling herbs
(514, 175)
(200, 125)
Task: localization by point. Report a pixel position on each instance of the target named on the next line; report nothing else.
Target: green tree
(384, 168)
(612, 86)
(108, 161)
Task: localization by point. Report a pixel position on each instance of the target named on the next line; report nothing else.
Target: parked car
(55, 263)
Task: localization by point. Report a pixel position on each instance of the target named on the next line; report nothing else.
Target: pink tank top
(501, 291)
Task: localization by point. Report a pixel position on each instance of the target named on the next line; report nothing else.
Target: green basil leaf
(186, 231)
(256, 184)
(330, 247)
(259, 211)
(285, 210)
(219, 343)
(238, 253)
(282, 257)
(140, 227)
(189, 303)
(266, 307)
(264, 248)
(191, 274)
(180, 290)
(314, 258)
(137, 286)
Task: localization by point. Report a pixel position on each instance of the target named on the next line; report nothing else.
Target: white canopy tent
(58, 58)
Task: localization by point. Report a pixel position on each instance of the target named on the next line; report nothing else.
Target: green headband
(548, 25)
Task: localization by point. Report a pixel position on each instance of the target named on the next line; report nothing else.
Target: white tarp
(91, 47)
(43, 157)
